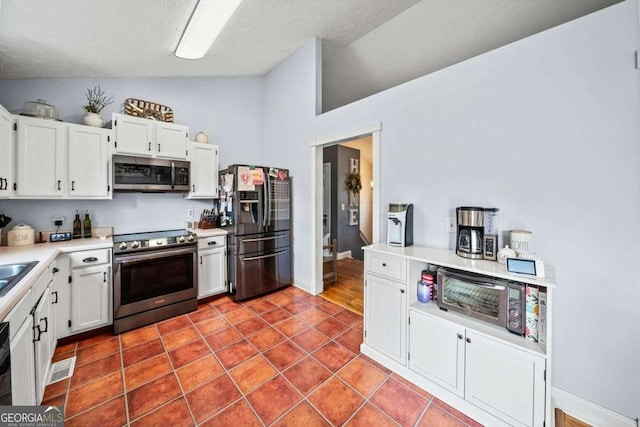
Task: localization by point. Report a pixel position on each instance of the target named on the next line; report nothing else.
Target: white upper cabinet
(6, 148)
(88, 162)
(149, 138)
(204, 171)
(40, 158)
(172, 141)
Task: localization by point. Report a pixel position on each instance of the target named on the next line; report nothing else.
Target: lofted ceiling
(125, 38)
(368, 45)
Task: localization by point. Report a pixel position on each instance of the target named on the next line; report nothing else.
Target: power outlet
(190, 213)
(451, 224)
(58, 219)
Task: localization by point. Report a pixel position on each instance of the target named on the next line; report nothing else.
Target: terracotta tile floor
(286, 359)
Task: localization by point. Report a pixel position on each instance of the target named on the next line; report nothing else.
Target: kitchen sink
(10, 274)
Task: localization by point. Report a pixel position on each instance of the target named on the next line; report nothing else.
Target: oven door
(476, 296)
(153, 279)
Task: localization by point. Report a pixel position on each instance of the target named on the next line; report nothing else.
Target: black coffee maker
(470, 232)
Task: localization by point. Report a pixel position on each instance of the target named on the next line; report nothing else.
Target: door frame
(317, 145)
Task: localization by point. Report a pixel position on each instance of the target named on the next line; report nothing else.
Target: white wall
(228, 109)
(546, 129)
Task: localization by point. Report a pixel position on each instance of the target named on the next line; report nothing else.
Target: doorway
(352, 272)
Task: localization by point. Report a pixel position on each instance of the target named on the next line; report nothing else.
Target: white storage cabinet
(88, 163)
(203, 171)
(23, 375)
(91, 290)
(7, 145)
(385, 306)
(150, 138)
(212, 266)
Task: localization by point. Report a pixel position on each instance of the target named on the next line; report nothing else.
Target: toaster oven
(497, 301)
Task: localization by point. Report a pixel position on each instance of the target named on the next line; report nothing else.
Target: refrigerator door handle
(264, 202)
(269, 199)
(261, 239)
(264, 256)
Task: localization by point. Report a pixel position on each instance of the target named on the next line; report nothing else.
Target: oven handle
(261, 239)
(253, 258)
(475, 281)
(132, 259)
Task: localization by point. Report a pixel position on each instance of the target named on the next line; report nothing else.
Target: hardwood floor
(348, 291)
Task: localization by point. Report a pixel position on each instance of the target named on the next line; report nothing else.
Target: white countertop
(44, 253)
(448, 258)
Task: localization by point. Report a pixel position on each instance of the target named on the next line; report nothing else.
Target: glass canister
(41, 109)
(424, 291)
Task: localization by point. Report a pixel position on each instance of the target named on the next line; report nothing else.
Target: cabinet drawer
(212, 242)
(385, 265)
(88, 258)
(19, 313)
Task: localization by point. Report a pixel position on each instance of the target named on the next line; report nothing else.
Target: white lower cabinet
(23, 383)
(436, 351)
(212, 266)
(90, 297)
(42, 331)
(500, 378)
(503, 380)
(385, 309)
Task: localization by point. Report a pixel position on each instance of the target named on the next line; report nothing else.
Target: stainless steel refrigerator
(255, 202)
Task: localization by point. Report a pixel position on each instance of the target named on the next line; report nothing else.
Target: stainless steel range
(155, 276)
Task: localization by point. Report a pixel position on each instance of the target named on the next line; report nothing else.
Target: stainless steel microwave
(145, 174)
(497, 301)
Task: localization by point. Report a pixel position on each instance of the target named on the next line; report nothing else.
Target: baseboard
(588, 412)
(343, 255)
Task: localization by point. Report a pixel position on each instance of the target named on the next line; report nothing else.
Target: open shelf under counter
(448, 258)
(479, 326)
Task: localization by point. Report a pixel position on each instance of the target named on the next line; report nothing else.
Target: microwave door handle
(173, 174)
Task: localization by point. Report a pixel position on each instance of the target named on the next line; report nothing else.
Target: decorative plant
(97, 100)
(353, 183)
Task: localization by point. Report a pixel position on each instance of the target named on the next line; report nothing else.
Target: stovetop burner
(152, 240)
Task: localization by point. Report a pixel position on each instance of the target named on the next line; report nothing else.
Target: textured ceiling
(125, 38)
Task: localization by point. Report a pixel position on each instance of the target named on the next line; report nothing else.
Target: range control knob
(123, 246)
(135, 244)
(190, 238)
(181, 239)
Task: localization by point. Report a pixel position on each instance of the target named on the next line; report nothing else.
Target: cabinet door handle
(459, 336)
(73, 186)
(37, 328)
(46, 324)
(90, 259)
(59, 183)
(104, 279)
(149, 145)
(213, 242)
(56, 294)
(3, 183)
(158, 148)
(384, 264)
(200, 260)
(468, 339)
(402, 291)
(194, 188)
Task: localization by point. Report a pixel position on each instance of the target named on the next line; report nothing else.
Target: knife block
(207, 222)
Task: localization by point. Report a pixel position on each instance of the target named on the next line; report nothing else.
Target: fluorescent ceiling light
(206, 23)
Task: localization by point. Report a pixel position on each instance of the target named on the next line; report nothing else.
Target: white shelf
(484, 328)
(448, 258)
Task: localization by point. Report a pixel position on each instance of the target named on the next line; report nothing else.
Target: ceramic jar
(505, 253)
